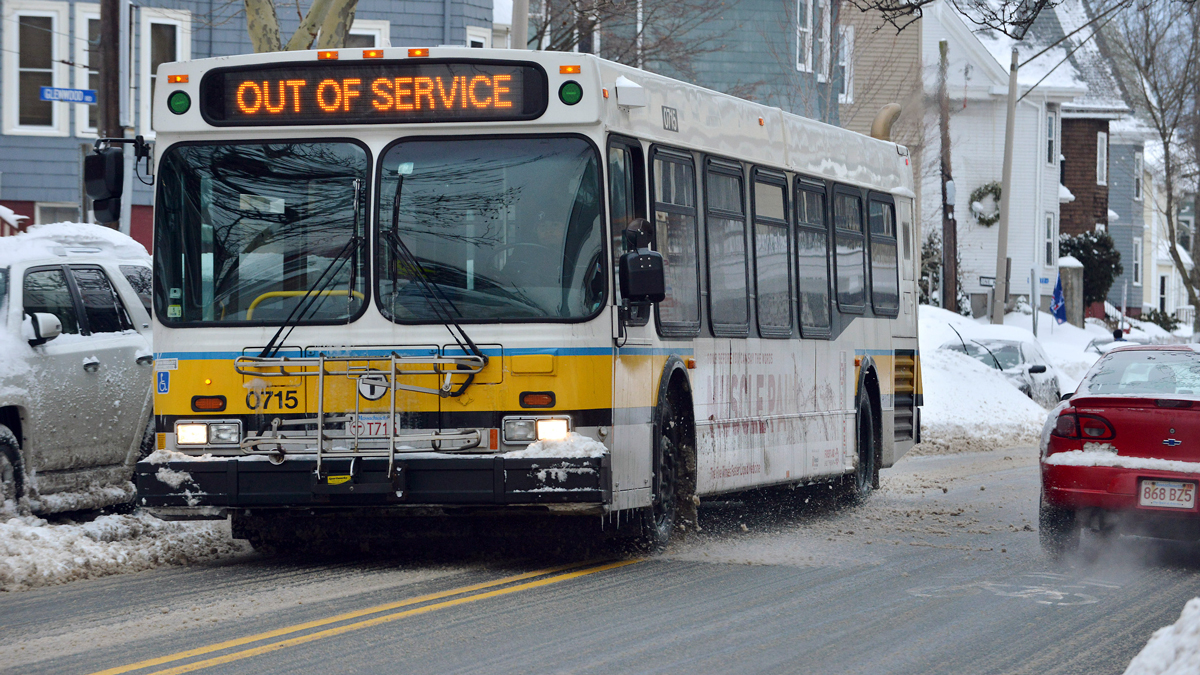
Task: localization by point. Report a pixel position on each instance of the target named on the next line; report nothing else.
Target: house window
(55, 213)
(1051, 125)
(166, 36)
(1051, 241)
(823, 14)
(87, 65)
(845, 63)
(804, 19)
(1137, 175)
(36, 49)
(1162, 293)
(479, 37)
(1137, 262)
(366, 34)
(1101, 158)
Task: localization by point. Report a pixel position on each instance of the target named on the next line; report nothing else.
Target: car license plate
(370, 425)
(1167, 494)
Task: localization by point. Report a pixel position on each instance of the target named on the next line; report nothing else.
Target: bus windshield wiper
(309, 300)
(441, 305)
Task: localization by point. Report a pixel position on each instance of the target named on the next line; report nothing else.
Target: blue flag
(1058, 305)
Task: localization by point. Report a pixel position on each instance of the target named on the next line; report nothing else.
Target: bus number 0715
(283, 399)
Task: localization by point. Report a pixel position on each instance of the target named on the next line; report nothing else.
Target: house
(1162, 284)
(51, 43)
(878, 65)
(1127, 209)
(977, 85)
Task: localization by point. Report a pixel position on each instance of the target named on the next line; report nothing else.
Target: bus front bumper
(207, 488)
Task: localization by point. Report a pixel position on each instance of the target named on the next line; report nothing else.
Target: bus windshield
(499, 229)
(261, 232)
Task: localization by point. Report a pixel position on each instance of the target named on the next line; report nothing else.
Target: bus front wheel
(660, 519)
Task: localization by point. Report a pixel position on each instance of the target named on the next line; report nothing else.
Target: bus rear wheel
(856, 488)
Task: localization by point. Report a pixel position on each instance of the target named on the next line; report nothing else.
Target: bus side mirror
(103, 180)
(641, 276)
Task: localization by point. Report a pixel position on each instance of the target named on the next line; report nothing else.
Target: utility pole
(519, 35)
(949, 229)
(1001, 296)
(109, 95)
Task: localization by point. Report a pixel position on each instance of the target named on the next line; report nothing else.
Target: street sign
(987, 282)
(68, 95)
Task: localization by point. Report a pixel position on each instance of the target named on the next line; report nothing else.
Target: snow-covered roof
(60, 239)
(1164, 253)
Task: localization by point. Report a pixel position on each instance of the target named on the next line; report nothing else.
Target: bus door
(633, 338)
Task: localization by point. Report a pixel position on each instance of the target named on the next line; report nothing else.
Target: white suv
(75, 367)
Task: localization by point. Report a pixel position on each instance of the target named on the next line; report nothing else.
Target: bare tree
(642, 33)
(1157, 50)
(1011, 17)
(326, 24)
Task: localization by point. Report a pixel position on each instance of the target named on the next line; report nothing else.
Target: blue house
(50, 43)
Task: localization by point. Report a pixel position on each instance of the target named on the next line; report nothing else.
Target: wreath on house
(979, 204)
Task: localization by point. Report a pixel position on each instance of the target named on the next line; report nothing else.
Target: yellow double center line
(464, 591)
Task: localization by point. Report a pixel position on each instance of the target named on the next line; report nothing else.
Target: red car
(1123, 453)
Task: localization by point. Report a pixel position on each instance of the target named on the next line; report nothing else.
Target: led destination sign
(393, 92)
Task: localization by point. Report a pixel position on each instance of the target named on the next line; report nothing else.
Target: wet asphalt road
(940, 572)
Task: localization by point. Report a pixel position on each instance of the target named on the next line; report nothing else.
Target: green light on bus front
(570, 92)
(179, 102)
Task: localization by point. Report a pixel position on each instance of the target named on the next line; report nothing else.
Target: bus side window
(850, 259)
(675, 237)
(725, 224)
(812, 263)
(885, 285)
(771, 265)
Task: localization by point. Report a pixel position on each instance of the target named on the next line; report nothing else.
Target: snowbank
(35, 552)
(1102, 458)
(574, 445)
(1174, 650)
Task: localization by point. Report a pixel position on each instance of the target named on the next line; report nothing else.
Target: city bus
(452, 282)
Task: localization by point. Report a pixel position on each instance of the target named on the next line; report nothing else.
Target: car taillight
(1067, 426)
(1095, 428)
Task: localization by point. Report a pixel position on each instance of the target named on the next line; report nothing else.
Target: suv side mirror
(1067, 395)
(46, 327)
(1037, 369)
(640, 270)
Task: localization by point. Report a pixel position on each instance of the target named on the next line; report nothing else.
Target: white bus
(449, 280)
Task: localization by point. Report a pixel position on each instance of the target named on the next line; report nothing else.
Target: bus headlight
(552, 429)
(230, 434)
(191, 434)
(520, 431)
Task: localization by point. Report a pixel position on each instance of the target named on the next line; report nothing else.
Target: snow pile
(1173, 650)
(35, 552)
(9, 216)
(54, 240)
(1102, 458)
(574, 445)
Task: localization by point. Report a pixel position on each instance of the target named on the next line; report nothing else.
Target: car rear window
(1145, 372)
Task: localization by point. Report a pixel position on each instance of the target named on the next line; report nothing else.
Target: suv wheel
(10, 477)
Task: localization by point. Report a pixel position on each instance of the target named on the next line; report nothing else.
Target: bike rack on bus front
(322, 366)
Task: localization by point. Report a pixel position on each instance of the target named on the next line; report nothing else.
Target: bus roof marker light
(372, 53)
(179, 102)
(604, 91)
(569, 70)
(570, 92)
(418, 52)
(177, 79)
(761, 122)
